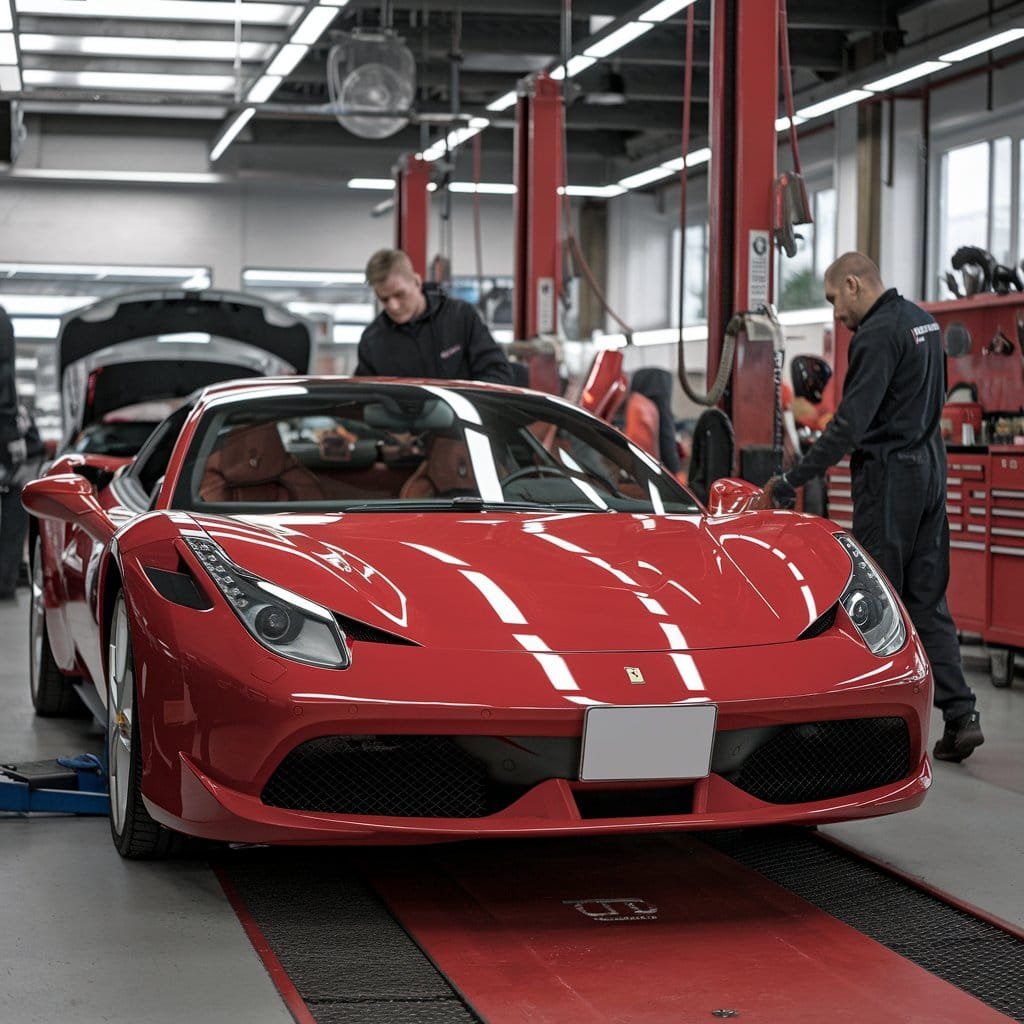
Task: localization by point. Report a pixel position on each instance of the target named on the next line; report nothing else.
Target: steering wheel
(526, 471)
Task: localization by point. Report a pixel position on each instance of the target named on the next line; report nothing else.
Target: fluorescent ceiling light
(141, 177)
(907, 75)
(658, 336)
(503, 102)
(453, 139)
(10, 79)
(41, 328)
(802, 317)
(341, 312)
(782, 123)
(263, 89)
(844, 99)
(315, 278)
(644, 177)
(594, 191)
(287, 59)
(484, 188)
(124, 46)
(373, 184)
(619, 38)
(576, 64)
(91, 109)
(165, 10)
(44, 305)
(334, 3)
(232, 130)
(6, 20)
(347, 334)
(130, 81)
(313, 25)
(95, 272)
(694, 159)
(434, 152)
(983, 45)
(666, 9)
(8, 51)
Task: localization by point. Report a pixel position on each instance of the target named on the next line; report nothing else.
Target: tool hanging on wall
(791, 206)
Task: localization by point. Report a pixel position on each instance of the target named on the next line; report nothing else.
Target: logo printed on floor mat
(620, 909)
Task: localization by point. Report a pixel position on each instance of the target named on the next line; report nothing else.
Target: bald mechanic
(424, 333)
(889, 418)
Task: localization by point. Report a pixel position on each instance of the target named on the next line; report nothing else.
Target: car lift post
(537, 208)
(537, 215)
(744, 91)
(412, 206)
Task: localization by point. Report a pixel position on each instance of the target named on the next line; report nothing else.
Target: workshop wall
(290, 223)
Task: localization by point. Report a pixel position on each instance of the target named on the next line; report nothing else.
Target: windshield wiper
(467, 503)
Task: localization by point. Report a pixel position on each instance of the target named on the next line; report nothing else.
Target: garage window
(976, 202)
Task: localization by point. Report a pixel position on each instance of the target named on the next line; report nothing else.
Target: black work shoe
(959, 738)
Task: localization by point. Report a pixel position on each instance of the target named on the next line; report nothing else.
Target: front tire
(136, 835)
(53, 694)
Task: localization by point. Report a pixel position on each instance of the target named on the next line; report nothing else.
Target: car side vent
(822, 624)
(356, 630)
(178, 587)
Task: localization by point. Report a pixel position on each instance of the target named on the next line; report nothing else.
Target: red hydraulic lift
(412, 206)
(539, 163)
(744, 91)
(539, 176)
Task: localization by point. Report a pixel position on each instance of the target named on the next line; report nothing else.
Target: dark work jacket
(447, 341)
(893, 392)
(8, 388)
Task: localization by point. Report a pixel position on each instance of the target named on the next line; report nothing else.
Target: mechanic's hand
(17, 451)
(781, 493)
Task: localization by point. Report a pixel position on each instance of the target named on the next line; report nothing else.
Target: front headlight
(283, 622)
(870, 603)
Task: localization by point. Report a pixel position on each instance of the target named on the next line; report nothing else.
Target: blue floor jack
(62, 785)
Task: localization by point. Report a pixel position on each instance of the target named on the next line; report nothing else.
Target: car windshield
(356, 447)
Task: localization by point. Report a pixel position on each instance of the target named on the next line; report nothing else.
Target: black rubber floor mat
(970, 953)
(347, 957)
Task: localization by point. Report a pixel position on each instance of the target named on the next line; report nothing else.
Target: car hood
(591, 582)
(142, 346)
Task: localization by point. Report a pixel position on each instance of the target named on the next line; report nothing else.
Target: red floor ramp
(647, 929)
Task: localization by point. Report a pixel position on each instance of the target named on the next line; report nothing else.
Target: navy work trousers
(899, 516)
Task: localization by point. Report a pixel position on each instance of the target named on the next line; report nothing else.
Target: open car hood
(146, 345)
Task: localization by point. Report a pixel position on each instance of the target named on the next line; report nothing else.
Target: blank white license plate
(671, 741)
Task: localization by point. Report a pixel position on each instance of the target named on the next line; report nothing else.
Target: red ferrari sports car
(325, 610)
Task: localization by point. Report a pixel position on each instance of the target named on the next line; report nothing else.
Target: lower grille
(401, 776)
(819, 760)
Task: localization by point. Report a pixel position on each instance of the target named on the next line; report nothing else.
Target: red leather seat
(446, 470)
(252, 465)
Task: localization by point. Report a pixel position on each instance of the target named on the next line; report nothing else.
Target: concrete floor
(87, 937)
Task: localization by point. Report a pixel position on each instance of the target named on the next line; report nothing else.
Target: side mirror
(68, 498)
(730, 494)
